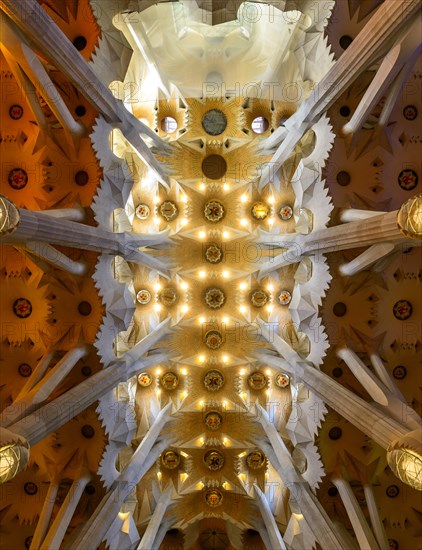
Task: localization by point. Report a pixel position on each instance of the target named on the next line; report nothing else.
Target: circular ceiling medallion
(282, 380)
(30, 488)
(285, 213)
(16, 112)
(214, 298)
(25, 370)
(22, 308)
(214, 122)
(257, 380)
(142, 211)
(213, 254)
(213, 420)
(144, 379)
(213, 339)
(399, 372)
(410, 112)
(214, 167)
(17, 178)
(255, 460)
(402, 310)
(408, 179)
(260, 210)
(284, 298)
(169, 380)
(213, 380)
(214, 460)
(169, 210)
(259, 298)
(170, 460)
(168, 297)
(143, 297)
(214, 211)
(392, 491)
(213, 497)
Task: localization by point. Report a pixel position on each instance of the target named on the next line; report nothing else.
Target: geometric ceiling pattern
(210, 221)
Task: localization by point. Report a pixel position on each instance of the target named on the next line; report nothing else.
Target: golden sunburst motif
(215, 119)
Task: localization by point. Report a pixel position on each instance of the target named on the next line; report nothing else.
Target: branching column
(316, 517)
(33, 227)
(143, 459)
(147, 541)
(389, 23)
(366, 417)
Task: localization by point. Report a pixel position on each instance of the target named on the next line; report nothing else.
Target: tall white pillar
(61, 522)
(142, 460)
(147, 541)
(273, 532)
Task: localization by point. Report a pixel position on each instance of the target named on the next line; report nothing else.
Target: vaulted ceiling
(202, 428)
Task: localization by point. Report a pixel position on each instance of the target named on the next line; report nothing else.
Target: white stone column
(46, 37)
(35, 226)
(142, 460)
(373, 422)
(61, 522)
(366, 259)
(51, 416)
(27, 401)
(147, 541)
(369, 231)
(377, 525)
(273, 532)
(45, 516)
(380, 393)
(360, 526)
(314, 514)
(53, 256)
(390, 22)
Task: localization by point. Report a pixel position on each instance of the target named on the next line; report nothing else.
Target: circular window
(345, 41)
(260, 125)
(332, 491)
(214, 167)
(392, 491)
(16, 112)
(335, 433)
(168, 124)
(345, 111)
(80, 110)
(22, 308)
(402, 310)
(214, 122)
(339, 309)
(399, 372)
(408, 179)
(343, 178)
(410, 112)
(25, 370)
(81, 178)
(80, 43)
(84, 308)
(88, 431)
(17, 178)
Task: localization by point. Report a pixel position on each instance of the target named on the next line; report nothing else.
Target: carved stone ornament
(213, 380)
